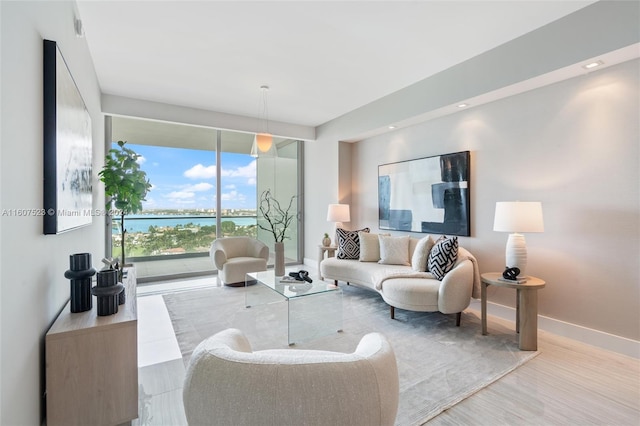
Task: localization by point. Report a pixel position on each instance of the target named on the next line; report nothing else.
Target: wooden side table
(526, 307)
(330, 250)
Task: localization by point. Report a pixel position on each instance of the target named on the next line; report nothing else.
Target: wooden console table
(92, 364)
(526, 307)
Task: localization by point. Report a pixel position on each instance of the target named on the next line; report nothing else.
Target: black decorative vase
(122, 297)
(80, 273)
(107, 291)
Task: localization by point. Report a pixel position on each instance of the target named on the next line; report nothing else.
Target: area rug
(439, 364)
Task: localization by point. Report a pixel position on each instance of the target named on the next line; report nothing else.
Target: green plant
(278, 218)
(326, 235)
(125, 185)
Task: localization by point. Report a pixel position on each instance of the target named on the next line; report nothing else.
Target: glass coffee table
(313, 309)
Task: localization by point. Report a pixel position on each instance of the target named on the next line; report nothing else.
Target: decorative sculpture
(114, 263)
(107, 291)
(80, 273)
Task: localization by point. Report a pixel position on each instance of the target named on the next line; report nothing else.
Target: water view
(171, 234)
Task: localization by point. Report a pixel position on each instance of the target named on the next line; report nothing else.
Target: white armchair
(236, 256)
(228, 384)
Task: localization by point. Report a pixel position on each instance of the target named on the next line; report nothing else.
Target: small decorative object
(511, 273)
(80, 273)
(326, 241)
(107, 291)
(279, 260)
(111, 263)
(279, 220)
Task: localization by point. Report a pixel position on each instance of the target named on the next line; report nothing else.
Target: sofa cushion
(415, 294)
(443, 256)
(349, 243)
(421, 254)
(369, 247)
(352, 271)
(394, 250)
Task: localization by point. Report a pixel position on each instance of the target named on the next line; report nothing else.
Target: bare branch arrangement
(278, 218)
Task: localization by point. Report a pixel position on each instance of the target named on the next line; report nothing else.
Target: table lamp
(517, 217)
(338, 213)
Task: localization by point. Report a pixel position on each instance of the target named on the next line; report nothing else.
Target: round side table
(526, 307)
(330, 250)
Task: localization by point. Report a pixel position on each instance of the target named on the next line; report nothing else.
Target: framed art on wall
(428, 195)
(67, 147)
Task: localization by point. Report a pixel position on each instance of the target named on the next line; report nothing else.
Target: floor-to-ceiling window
(206, 185)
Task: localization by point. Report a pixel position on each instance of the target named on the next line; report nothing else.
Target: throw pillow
(394, 250)
(369, 247)
(348, 243)
(421, 254)
(443, 256)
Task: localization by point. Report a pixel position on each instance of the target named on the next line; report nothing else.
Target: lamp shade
(264, 141)
(338, 213)
(518, 216)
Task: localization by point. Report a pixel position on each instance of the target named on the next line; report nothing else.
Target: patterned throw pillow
(443, 256)
(348, 243)
(394, 250)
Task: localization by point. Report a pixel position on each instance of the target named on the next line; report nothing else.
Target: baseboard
(592, 337)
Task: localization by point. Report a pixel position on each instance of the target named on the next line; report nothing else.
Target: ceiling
(320, 59)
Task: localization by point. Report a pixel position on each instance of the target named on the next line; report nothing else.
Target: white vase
(279, 262)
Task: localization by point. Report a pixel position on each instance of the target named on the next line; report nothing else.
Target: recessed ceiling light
(592, 65)
(392, 127)
(463, 105)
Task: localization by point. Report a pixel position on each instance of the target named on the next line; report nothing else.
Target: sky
(186, 178)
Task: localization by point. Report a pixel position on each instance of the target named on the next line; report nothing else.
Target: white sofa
(234, 257)
(405, 288)
(228, 384)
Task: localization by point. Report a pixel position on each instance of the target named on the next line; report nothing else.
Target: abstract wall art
(67, 147)
(427, 195)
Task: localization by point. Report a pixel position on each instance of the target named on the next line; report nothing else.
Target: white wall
(32, 265)
(574, 146)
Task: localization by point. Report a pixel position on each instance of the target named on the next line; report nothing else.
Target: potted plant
(279, 220)
(125, 184)
(326, 241)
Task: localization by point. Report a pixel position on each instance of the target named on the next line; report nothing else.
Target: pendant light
(263, 140)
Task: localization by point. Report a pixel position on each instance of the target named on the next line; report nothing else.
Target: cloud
(141, 160)
(248, 171)
(251, 181)
(180, 195)
(231, 186)
(198, 187)
(201, 172)
(233, 196)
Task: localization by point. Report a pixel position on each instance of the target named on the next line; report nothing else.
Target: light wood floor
(569, 383)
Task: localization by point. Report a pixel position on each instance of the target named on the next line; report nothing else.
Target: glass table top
(291, 290)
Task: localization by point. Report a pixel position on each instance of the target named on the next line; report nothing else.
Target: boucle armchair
(234, 257)
(228, 384)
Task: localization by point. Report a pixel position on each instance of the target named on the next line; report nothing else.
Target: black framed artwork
(427, 195)
(67, 147)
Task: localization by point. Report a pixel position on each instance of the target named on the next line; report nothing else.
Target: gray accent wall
(33, 289)
(574, 146)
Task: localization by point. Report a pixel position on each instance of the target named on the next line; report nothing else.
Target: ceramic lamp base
(516, 253)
